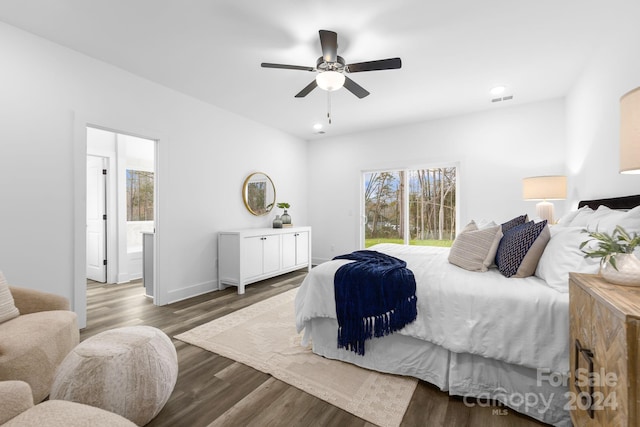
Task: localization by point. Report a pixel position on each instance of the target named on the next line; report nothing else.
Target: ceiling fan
(331, 68)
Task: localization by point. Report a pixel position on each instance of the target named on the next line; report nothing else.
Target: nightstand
(604, 324)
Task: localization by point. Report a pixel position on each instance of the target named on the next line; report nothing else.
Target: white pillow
(566, 219)
(582, 217)
(604, 219)
(563, 255)
(629, 220)
(8, 309)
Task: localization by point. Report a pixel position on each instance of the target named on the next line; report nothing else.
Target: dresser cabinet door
(271, 254)
(609, 335)
(603, 356)
(580, 332)
(302, 248)
(295, 249)
(288, 250)
(252, 249)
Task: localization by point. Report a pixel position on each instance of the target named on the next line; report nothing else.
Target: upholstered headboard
(625, 202)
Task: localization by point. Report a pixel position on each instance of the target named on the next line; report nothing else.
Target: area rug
(264, 337)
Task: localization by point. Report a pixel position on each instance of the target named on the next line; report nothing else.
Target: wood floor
(215, 391)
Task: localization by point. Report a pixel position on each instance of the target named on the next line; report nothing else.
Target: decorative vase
(628, 272)
(277, 222)
(286, 218)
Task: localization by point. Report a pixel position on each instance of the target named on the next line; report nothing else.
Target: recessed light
(498, 90)
(317, 126)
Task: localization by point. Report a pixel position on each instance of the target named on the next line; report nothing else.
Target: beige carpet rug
(264, 337)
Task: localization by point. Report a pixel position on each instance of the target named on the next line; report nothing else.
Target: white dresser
(249, 255)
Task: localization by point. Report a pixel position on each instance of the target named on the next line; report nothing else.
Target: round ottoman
(130, 371)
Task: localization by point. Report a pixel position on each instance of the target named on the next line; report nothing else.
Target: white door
(96, 219)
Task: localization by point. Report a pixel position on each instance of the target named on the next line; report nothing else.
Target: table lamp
(545, 188)
(630, 132)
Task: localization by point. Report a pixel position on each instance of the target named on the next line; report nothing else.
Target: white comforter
(516, 320)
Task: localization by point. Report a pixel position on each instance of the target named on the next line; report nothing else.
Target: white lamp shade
(630, 132)
(544, 188)
(330, 80)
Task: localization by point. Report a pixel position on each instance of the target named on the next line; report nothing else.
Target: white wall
(204, 155)
(593, 119)
(494, 149)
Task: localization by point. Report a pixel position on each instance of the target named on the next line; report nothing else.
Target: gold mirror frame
(259, 193)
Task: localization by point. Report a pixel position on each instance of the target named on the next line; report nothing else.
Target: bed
(478, 334)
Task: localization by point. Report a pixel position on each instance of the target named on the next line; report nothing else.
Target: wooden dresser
(604, 360)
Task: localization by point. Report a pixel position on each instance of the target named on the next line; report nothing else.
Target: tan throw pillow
(8, 309)
(474, 249)
(530, 261)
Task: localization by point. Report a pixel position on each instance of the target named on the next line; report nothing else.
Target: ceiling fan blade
(355, 88)
(304, 92)
(287, 67)
(381, 64)
(329, 44)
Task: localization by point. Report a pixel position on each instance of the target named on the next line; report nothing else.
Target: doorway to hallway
(121, 204)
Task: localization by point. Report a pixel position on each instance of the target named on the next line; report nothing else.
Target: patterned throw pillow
(515, 244)
(8, 309)
(519, 220)
(474, 249)
(530, 261)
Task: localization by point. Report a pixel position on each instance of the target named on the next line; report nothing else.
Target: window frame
(405, 201)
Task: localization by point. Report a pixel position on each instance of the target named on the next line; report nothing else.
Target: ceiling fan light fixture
(330, 80)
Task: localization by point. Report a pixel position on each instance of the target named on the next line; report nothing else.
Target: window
(139, 195)
(411, 206)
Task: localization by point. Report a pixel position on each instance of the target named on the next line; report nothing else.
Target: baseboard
(192, 291)
(126, 278)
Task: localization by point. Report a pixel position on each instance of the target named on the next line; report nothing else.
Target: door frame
(126, 126)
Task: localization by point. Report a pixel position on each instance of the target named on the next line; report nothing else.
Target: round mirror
(259, 193)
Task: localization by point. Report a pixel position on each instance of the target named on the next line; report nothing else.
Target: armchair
(34, 343)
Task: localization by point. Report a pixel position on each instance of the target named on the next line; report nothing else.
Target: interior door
(96, 219)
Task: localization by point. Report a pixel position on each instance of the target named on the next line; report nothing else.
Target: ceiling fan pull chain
(329, 106)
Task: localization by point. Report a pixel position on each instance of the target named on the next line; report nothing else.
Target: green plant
(610, 245)
(284, 205)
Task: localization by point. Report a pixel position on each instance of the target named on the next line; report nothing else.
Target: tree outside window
(139, 195)
(416, 207)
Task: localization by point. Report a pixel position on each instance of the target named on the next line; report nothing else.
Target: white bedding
(521, 321)
(461, 374)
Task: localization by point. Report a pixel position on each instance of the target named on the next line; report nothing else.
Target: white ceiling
(452, 51)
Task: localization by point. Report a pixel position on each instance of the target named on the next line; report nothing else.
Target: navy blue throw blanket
(375, 296)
